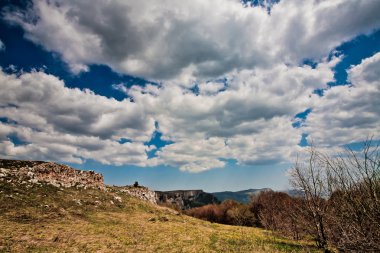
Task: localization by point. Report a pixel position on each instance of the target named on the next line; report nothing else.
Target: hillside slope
(46, 218)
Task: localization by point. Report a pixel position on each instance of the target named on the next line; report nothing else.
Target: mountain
(48, 207)
(185, 199)
(240, 196)
(295, 193)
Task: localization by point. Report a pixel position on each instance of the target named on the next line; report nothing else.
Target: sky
(214, 95)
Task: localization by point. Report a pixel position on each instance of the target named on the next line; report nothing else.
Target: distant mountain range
(244, 196)
(240, 196)
(295, 193)
(185, 199)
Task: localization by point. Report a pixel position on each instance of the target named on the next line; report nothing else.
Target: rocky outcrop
(185, 199)
(139, 192)
(49, 172)
(37, 172)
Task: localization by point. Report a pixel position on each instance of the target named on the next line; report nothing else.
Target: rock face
(49, 172)
(140, 192)
(185, 199)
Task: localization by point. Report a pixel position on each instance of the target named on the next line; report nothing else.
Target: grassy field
(48, 219)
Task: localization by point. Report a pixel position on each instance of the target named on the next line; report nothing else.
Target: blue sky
(162, 95)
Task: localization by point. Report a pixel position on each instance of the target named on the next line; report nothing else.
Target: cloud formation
(230, 81)
(58, 123)
(249, 121)
(195, 39)
(350, 113)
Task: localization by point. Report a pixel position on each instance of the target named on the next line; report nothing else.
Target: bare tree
(341, 194)
(354, 186)
(310, 178)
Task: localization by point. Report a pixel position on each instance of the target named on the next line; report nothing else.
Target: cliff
(185, 199)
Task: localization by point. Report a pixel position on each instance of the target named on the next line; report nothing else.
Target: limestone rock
(62, 176)
(51, 173)
(117, 198)
(140, 192)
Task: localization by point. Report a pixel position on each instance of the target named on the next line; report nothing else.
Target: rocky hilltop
(185, 199)
(38, 172)
(49, 172)
(140, 192)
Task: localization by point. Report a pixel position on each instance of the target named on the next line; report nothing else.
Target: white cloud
(250, 121)
(209, 88)
(59, 123)
(349, 113)
(247, 117)
(183, 40)
(251, 98)
(44, 103)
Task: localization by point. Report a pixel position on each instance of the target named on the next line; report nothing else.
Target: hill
(240, 196)
(37, 216)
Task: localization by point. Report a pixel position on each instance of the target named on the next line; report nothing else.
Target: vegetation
(275, 211)
(44, 218)
(342, 197)
(339, 208)
(228, 212)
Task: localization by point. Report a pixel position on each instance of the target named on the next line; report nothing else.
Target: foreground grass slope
(44, 218)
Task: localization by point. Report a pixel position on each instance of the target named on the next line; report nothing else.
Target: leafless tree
(354, 186)
(310, 178)
(341, 194)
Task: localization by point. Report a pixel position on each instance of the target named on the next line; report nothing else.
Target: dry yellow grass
(46, 219)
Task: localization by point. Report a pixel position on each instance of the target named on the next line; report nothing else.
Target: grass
(48, 219)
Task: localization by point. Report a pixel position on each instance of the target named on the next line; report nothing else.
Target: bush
(342, 197)
(228, 212)
(277, 211)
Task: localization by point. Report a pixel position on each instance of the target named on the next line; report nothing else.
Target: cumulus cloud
(230, 80)
(349, 113)
(211, 87)
(251, 98)
(250, 120)
(59, 123)
(194, 39)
